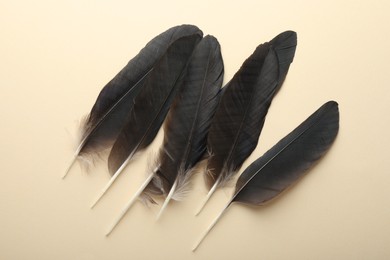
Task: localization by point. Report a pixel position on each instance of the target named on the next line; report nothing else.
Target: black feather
(188, 122)
(287, 161)
(240, 116)
(106, 118)
(153, 102)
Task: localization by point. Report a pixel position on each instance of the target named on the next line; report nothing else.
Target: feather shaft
(209, 194)
(109, 183)
(129, 204)
(72, 161)
(167, 199)
(211, 226)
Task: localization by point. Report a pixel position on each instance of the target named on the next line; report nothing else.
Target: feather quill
(151, 106)
(187, 124)
(287, 161)
(102, 125)
(240, 116)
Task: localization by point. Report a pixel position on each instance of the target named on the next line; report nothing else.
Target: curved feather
(288, 160)
(106, 118)
(240, 115)
(152, 103)
(189, 120)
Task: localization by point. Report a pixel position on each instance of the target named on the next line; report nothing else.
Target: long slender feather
(241, 113)
(106, 118)
(287, 161)
(188, 123)
(151, 106)
(186, 126)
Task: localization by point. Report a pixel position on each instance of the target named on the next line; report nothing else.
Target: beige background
(55, 56)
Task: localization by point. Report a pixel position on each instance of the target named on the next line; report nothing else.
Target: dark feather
(106, 118)
(152, 103)
(188, 122)
(241, 113)
(287, 161)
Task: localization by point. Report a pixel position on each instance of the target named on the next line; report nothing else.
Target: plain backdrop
(55, 56)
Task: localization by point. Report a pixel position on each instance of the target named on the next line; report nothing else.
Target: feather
(187, 124)
(287, 161)
(151, 106)
(240, 116)
(185, 133)
(106, 118)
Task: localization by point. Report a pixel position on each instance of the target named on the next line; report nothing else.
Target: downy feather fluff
(287, 161)
(240, 116)
(188, 122)
(151, 105)
(102, 125)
